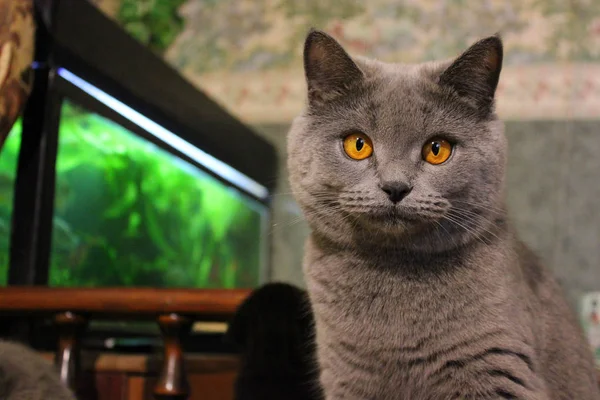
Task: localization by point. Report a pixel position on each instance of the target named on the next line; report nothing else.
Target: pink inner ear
(491, 60)
(316, 53)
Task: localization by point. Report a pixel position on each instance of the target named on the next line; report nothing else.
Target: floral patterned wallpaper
(250, 35)
(247, 53)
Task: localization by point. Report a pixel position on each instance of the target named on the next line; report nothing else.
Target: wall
(554, 195)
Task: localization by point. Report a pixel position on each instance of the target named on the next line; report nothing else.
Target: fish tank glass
(9, 156)
(130, 213)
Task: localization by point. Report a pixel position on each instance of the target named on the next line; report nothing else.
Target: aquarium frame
(33, 201)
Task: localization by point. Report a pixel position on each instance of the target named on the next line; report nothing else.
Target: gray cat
(420, 287)
(25, 375)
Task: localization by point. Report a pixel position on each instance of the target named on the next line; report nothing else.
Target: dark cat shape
(273, 329)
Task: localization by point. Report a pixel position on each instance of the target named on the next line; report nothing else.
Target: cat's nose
(396, 191)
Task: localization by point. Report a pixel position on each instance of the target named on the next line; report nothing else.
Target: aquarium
(9, 156)
(130, 213)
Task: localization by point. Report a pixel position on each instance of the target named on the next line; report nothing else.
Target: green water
(8, 166)
(128, 213)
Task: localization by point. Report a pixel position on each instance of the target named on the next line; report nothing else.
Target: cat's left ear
(474, 74)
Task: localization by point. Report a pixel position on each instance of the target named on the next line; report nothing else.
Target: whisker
(478, 224)
(467, 229)
(447, 233)
(329, 208)
(466, 214)
(486, 207)
(466, 210)
(469, 215)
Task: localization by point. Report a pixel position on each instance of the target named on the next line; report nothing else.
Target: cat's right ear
(329, 70)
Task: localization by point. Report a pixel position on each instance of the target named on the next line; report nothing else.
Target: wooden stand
(70, 328)
(172, 383)
(173, 309)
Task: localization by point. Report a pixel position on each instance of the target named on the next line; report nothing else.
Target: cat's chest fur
(383, 331)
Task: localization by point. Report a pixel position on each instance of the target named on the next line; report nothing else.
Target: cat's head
(412, 155)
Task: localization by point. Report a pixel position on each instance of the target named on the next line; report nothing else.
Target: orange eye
(436, 151)
(358, 146)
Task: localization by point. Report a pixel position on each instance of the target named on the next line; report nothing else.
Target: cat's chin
(394, 222)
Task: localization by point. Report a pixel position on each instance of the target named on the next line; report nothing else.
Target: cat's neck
(380, 250)
(398, 272)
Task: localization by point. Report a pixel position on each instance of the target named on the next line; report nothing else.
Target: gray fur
(433, 297)
(25, 375)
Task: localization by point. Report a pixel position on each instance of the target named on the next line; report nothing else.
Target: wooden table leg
(70, 328)
(172, 383)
